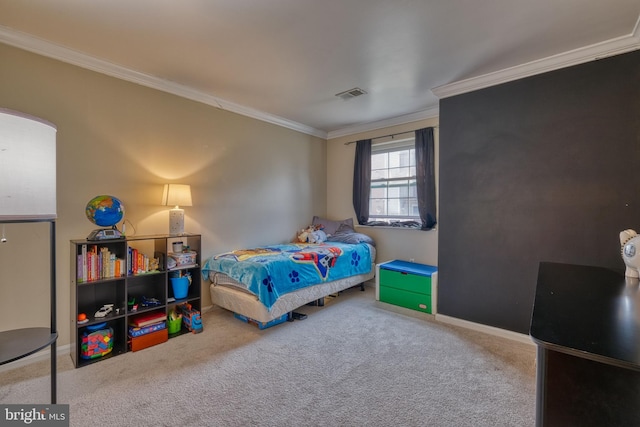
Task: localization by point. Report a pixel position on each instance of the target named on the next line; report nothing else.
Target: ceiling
(283, 61)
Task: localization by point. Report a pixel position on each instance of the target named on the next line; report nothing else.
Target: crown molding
(429, 113)
(574, 57)
(42, 47)
(578, 56)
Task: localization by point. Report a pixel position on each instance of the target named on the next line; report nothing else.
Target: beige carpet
(353, 362)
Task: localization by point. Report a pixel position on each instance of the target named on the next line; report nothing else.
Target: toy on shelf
(132, 305)
(104, 310)
(182, 259)
(97, 341)
(150, 302)
(190, 317)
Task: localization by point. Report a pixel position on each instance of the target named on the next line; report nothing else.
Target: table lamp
(176, 195)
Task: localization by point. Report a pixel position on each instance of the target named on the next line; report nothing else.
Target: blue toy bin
(180, 287)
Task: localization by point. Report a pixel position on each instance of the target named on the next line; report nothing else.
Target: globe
(105, 211)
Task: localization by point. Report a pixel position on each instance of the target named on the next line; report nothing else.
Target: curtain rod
(392, 135)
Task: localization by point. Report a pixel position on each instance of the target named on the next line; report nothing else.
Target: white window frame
(386, 147)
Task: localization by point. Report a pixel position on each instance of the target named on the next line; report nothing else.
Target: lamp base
(176, 221)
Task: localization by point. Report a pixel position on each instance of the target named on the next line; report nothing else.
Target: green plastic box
(407, 284)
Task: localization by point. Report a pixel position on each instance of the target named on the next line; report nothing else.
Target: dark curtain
(425, 177)
(362, 180)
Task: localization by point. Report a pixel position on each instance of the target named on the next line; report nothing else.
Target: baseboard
(65, 350)
(491, 330)
(61, 351)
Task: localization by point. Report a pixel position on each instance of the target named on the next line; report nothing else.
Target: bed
(268, 283)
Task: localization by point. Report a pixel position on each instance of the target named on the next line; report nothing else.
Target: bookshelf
(134, 274)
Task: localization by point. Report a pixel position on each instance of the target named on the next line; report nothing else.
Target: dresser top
(590, 312)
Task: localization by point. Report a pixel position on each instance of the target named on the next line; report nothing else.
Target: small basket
(174, 325)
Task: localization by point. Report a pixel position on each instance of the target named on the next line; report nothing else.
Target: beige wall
(422, 246)
(252, 182)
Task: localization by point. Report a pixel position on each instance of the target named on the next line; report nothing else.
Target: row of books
(97, 263)
(139, 263)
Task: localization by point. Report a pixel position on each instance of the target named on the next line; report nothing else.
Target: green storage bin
(405, 281)
(407, 284)
(412, 300)
(174, 325)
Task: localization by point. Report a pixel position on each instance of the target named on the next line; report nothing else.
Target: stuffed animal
(303, 237)
(312, 234)
(317, 236)
(630, 250)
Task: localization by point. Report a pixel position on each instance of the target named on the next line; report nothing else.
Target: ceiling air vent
(351, 93)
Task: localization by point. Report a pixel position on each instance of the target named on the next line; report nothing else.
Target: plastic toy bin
(96, 341)
(184, 258)
(180, 287)
(174, 325)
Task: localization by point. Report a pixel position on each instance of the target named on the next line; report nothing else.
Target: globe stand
(104, 234)
(105, 211)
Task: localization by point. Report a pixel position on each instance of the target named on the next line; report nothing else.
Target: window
(393, 194)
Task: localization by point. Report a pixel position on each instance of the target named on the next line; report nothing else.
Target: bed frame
(226, 293)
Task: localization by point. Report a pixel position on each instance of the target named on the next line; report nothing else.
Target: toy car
(104, 310)
(150, 302)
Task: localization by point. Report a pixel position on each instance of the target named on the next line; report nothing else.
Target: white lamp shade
(176, 195)
(27, 167)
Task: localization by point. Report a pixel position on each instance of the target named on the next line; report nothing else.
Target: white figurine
(630, 250)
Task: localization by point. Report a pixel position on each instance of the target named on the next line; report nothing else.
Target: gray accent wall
(546, 168)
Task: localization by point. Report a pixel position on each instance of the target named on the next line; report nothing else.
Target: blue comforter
(272, 271)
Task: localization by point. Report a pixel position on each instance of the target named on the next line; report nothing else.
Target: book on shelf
(140, 263)
(135, 331)
(84, 263)
(97, 263)
(147, 319)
